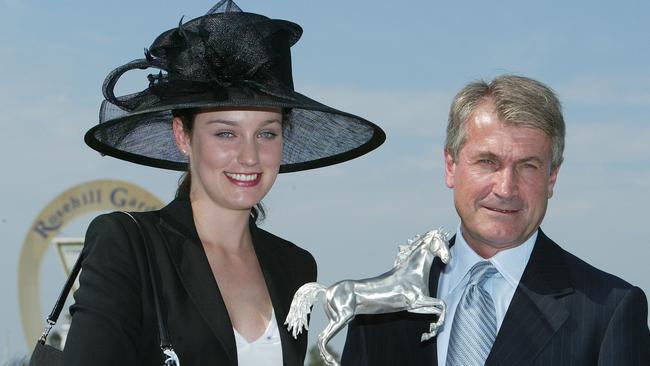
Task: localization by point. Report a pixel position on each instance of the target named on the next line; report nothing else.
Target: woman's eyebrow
(272, 120)
(235, 123)
(222, 121)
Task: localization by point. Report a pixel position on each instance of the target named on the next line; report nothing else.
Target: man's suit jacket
(564, 312)
(114, 321)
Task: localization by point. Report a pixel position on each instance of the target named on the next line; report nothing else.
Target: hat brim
(231, 60)
(315, 135)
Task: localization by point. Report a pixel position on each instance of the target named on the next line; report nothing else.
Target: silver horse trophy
(404, 287)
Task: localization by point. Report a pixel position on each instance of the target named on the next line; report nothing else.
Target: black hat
(226, 58)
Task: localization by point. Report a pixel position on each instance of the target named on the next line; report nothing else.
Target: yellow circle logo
(99, 195)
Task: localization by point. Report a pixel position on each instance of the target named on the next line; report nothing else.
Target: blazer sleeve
(389, 339)
(106, 316)
(354, 350)
(627, 338)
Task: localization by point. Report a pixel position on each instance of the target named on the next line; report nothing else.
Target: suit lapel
(193, 268)
(535, 313)
(279, 293)
(434, 277)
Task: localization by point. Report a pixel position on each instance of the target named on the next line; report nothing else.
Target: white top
(510, 264)
(265, 350)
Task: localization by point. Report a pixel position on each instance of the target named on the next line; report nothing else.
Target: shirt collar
(510, 263)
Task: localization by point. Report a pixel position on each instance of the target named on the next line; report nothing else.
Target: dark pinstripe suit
(564, 312)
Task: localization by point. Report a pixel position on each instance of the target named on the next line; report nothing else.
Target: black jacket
(564, 312)
(113, 318)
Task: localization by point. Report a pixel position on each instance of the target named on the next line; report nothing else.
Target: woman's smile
(244, 179)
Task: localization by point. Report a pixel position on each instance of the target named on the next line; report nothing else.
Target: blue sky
(398, 65)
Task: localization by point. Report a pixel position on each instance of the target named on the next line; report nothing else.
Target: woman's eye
(225, 134)
(268, 134)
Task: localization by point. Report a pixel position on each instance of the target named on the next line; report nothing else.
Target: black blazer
(564, 312)
(113, 318)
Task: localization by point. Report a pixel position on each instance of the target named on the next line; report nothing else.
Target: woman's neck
(220, 228)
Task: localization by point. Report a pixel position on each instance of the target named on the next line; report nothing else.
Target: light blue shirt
(510, 264)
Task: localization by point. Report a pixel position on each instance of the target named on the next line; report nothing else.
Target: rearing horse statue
(404, 287)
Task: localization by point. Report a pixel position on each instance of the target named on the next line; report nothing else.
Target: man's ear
(551, 181)
(450, 169)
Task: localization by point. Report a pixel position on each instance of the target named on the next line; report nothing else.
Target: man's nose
(505, 185)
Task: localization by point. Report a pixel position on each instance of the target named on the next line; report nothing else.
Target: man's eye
(486, 162)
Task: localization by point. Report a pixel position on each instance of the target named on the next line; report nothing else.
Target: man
(513, 296)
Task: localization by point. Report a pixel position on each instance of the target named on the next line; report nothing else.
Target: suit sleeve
(106, 316)
(389, 339)
(354, 350)
(627, 338)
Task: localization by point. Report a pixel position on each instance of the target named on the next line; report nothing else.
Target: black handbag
(46, 355)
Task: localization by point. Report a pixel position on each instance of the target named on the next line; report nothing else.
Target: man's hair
(517, 100)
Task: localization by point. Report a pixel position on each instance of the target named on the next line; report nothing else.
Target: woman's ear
(181, 137)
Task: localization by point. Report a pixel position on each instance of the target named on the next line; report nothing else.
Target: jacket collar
(536, 311)
(275, 273)
(178, 216)
(193, 269)
(192, 266)
(434, 276)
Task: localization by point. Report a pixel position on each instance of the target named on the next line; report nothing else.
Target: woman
(223, 109)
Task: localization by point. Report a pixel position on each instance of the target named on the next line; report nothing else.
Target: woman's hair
(185, 181)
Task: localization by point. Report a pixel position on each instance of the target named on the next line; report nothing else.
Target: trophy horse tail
(301, 307)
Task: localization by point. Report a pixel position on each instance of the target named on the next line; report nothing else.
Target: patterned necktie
(474, 327)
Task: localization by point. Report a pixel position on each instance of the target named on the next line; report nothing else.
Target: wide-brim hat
(224, 59)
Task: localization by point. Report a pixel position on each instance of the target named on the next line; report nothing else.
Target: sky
(396, 64)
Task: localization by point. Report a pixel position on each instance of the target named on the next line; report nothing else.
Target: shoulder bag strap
(60, 301)
(171, 359)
